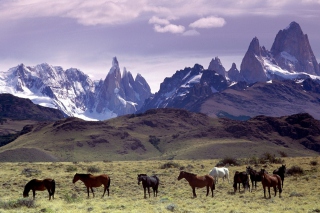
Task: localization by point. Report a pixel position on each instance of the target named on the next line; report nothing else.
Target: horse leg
(144, 189)
(149, 191)
(104, 190)
(88, 191)
(207, 190)
(34, 193)
(194, 191)
(275, 190)
(269, 192)
(92, 191)
(264, 191)
(49, 191)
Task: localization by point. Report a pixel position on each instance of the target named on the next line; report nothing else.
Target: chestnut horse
(198, 181)
(270, 181)
(241, 177)
(40, 185)
(147, 182)
(90, 181)
(280, 171)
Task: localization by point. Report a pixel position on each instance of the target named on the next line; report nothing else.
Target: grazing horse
(254, 176)
(221, 172)
(147, 182)
(270, 181)
(90, 181)
(241, 177)
(40, 185)
(280, 171)
(198, 181)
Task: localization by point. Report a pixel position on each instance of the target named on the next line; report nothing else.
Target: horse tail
(109, 183)
(53, 187)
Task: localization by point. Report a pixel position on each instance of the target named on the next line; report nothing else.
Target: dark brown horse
(90, 181)
(196, 181)
(270, 181)
(40, 185)
(147, 182)
(280, 171)
(241, 177)
(254, 176)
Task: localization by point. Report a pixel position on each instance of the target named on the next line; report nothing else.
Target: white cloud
(157, 20)
(170, 28)
(191, 33)
(208, 22)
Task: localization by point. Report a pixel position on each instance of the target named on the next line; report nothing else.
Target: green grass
(300, 193)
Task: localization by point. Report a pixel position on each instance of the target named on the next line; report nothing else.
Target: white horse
(221, 172)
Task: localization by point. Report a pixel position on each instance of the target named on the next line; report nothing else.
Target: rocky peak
(234, 74)
(252, 67)
(216, 65)
(292, 51)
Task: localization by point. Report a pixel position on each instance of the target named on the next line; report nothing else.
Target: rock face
(74, 93)
(216, 65)
(292, 51)
(234, 74)
(252, 67)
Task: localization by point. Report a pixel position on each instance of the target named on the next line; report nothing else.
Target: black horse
(241, 177)
(280, 171)
(147, 182)
(254, 176)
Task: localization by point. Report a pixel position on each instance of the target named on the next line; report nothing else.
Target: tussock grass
(300, 192)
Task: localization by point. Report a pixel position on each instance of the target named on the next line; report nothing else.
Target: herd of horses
(209, 181)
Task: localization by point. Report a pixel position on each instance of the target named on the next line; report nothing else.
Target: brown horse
(241, 177)
(198, 181)
(40, 185)
(90, 181)
(270, 181)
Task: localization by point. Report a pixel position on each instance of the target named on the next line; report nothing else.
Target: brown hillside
(170, 134)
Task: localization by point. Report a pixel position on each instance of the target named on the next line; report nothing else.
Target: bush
(228, 161)
(71, 199)
(283, 154)
(314, 162)
(71, 169)
(295, 170)
(170, 165)
(27, 202)
(271, 158)
(93, 169)
(29, 172)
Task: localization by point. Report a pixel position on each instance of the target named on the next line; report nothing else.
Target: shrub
(283, 154)
(271, 158)
(170, 165)
(27, 202)
(71, 169)
(29, 172)
(71, 199)
(93, 169)
(314, 162)
(295, 170)
(228, 161)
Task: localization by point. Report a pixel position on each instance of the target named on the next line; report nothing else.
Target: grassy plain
(301, 193)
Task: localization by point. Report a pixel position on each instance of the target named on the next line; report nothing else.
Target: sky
(154, 38)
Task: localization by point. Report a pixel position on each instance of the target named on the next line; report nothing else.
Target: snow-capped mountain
(290, 58)
(74, 93)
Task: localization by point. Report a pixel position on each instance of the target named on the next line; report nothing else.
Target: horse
(198, 181)
(254, 176)
(90, 181)
(40, 185)
(241, 177)
(217, 172)
(280, 171)
(147, 182)
(270, 181)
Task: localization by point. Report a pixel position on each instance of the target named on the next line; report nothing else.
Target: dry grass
(301, 193)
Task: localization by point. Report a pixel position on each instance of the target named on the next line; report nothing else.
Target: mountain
(279, 82)
(74, 93)
(165, 134)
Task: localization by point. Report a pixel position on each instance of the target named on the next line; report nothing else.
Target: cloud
(208, 22)
(170, 28)
(191, 33)
(156, 20)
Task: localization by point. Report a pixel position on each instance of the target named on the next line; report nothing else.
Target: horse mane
(189, 173)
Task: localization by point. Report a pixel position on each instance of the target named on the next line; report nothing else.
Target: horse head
(181, 175)
(25, 193)
(283, 168)
(75, 178)
(140, 177)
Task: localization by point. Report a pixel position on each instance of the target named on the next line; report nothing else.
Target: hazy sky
(152, 37)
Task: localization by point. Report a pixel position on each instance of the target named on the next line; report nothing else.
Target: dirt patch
(26, 155)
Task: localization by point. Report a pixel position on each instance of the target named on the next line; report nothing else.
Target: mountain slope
(168, 134)
(74, 93)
